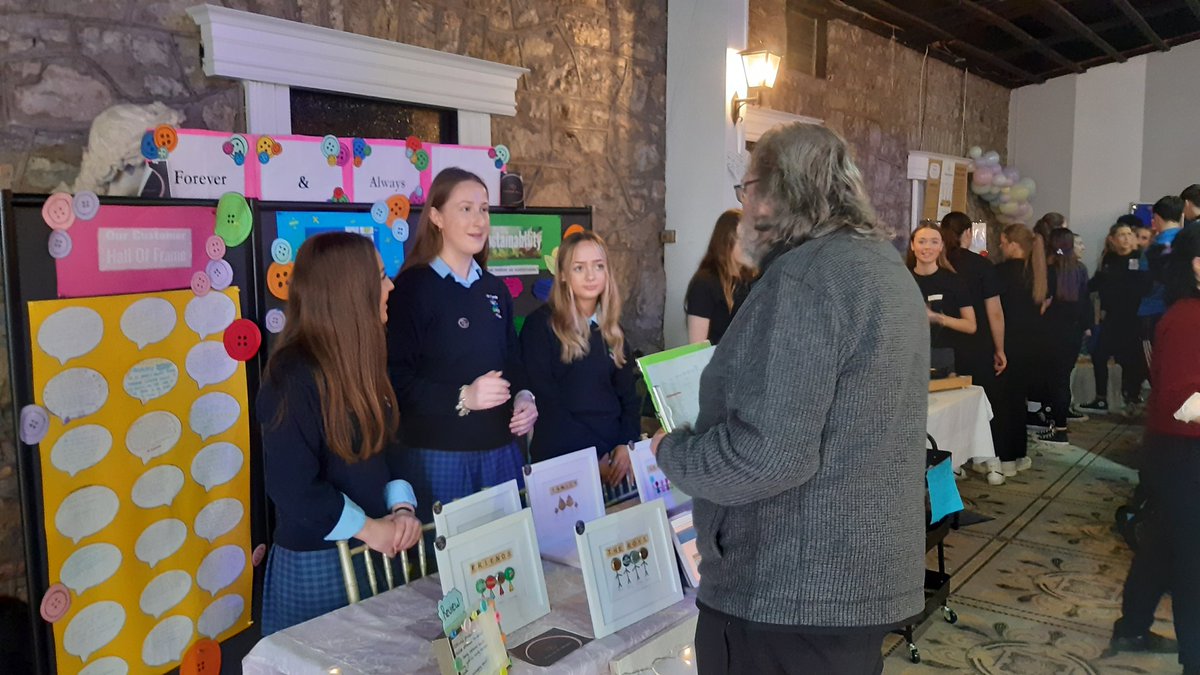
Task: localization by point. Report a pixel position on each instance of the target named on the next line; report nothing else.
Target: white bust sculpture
(112, 162)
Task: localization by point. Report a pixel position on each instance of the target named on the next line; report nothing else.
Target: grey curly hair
(811, 186)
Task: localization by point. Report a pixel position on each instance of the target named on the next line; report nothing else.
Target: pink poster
(135, 249)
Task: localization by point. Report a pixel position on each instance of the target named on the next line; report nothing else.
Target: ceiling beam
(1102, 27)
(1082, 28)
(1140, 21)
(1016, 31)
(1138, 51)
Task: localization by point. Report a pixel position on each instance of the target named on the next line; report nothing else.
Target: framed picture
(629, 569)
(651, 482)
(475, 510)
(561, 492)
(685, 545)
(500, 562)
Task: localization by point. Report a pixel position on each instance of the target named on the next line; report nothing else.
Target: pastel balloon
(150, 379)
(221, 615)
(216, 464)
(81, 448)
(86, 511)
(213, 413)
(164, 592)
(75, 393)
(208, 363)
(982, 176)
(160, 541)
(148, 321)
(108, 665)
(209, 314)
(92, 628)
(991, 157)
(975, 152)
(1008, 208)
(70, 333)
(158, 486)
(166, 641)
(220, 568)
(90, 566)
(218, 518)
(153, 435)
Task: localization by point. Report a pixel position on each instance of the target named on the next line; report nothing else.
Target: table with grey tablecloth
(391, 633)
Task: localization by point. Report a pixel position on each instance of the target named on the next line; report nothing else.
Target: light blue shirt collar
(443, 270)
(593, 320)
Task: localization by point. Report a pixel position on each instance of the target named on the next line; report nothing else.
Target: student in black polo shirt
(720, 285)
(579, 364)
(946, 301)
(328, 420)
(453, 353)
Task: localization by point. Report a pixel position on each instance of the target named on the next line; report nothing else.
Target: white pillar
(268, 108)
(474, 128)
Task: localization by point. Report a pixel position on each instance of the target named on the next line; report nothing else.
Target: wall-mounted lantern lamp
(761, 67)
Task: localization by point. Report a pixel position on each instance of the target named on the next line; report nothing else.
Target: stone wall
(872, 96)
(588, 131)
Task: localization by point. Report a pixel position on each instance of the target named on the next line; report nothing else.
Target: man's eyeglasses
(739, 190)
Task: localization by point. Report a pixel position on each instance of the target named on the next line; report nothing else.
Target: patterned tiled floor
(1037, 587)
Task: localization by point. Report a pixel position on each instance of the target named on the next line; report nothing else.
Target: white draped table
(959, 421)
(391, 634)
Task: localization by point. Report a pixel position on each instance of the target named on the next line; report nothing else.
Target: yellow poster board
(145, 474)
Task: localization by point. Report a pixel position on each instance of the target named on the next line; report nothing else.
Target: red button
(242, 340)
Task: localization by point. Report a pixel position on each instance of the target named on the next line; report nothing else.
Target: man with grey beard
(807, 459)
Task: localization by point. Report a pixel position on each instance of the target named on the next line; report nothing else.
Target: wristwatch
(462, 408)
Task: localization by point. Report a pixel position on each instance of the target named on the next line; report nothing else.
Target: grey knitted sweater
(807, 460)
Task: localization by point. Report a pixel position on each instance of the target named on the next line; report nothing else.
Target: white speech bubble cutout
(164, 592)
(158, 486)
(108, 665)
(153, 435)
(167, 640)
(90, 566)
(148, 321)
(81, 448)
(70, 333)
(216, 464)
(86, 511)
(220, 568)
(209, 363)
(220, 615)
(75, 393)
(209, 314)
(150, 379)
(160, 541)
(92, 628)
(218, 518)
(213, 413)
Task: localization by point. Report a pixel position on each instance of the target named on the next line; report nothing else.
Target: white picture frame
(684, 535)
(629, 569)
(476, 510)
(652, 483)
(471, 561)
(561, 492)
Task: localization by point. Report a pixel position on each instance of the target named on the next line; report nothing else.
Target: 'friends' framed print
(561, 492)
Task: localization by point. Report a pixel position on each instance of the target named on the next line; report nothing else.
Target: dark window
(806, 45)
(316, 113)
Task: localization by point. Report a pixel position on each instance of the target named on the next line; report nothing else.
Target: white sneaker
(987, 465)
(1024, 463)
(1009, 469)
(959, 474)
(995, 478)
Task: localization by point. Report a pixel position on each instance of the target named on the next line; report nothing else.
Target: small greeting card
(473, 645)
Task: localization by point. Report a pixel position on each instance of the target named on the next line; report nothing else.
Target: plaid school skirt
(302, 585)
(446, 475)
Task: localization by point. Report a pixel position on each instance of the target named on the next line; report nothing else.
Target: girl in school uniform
(947, 303)
(453, 353)
(721, 283)
(328, 417)
(579, 364)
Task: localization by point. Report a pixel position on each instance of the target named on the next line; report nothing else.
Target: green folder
(673, 381)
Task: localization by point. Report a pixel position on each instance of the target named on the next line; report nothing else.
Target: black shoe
(1150, 642)
(1097, 407)
(1074, 415)
(1054, 436)
(1133, 399)
(1037, 421)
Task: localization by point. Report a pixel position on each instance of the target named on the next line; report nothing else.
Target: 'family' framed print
(629, 569)
(501, 563)
(561, 492)
(475, 510)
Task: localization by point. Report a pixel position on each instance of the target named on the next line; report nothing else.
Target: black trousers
(725, 645)
(978, 361)
(1119, 339)
(1012, 442)
(1065, 342)
(1168, 555)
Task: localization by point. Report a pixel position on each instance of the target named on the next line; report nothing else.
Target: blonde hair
(572, 329)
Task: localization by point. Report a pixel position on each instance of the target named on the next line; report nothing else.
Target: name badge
(1134, 264)
(934, 298)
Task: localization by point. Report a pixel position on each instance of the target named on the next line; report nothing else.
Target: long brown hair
(953, 226)
(1035, 257)
(1072, 274)
(428, 244)
(942, 261)
(720, 260)
(333, 319)
(572, 329)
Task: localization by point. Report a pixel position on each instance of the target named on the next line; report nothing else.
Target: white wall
(1041, 122)
(701, 37)
(1171, 151)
